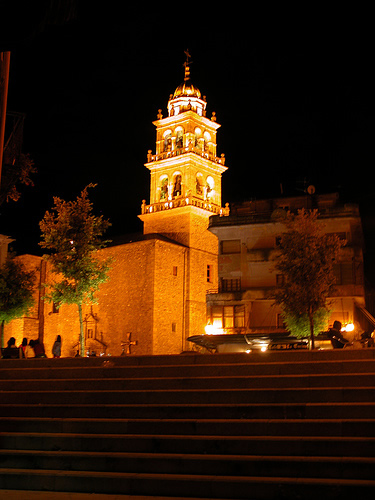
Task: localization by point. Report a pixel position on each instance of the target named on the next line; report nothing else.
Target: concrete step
(285, 425)
(59, 369)
(193, 464)
(212, 444)
(202, 486)
(190, 383)
(327, 410)
(201, 427)
(60, 495)
(206, 396)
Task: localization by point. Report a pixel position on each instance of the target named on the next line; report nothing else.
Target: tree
(74, 235)
(306, 261)
(16, 292)
(14, 175)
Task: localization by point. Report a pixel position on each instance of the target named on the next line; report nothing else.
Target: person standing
(56, 348)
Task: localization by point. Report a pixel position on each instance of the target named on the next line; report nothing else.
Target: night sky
(295, 104)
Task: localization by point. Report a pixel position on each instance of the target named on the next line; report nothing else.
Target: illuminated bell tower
(185, 190)
(185, 170)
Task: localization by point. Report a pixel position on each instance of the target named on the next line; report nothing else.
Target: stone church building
(155, 297)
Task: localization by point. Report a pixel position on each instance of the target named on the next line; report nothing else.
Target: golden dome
(187, 89)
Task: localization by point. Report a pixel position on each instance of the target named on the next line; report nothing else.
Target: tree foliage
(73, 235)
(299, 325)
(306, 261)
(16, 291)
(15, 174)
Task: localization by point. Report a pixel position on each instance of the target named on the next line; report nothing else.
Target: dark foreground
(274, 425)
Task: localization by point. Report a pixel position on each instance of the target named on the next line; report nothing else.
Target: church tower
(185, 190)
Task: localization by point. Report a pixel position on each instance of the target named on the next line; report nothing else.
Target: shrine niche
(93, 337)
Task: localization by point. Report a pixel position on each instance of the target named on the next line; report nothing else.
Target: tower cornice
(185, 117)
(198, 159)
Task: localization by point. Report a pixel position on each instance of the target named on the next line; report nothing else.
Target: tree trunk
(311, 321)
(81, 332)
(2, 333)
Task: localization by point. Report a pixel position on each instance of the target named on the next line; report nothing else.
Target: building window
(174, 270)
(209, 273)
(55, 309)
(239, 316)
(227, 317)
(229, 285)
(173, 327)
(230, 246)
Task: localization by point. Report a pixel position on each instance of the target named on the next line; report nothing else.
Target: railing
(181, 201)
(229, 285)
(268, 216)
(179, 151)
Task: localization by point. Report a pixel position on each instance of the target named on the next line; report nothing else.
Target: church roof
(136, 237)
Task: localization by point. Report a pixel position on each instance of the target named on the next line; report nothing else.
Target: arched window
(210, 184)
(207, 139)
(179, 138)
(167, 141)
(163, 188)
(177, 181)
(198, 135)
(199, 184)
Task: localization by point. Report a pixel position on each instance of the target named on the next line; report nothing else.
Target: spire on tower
(186, 64)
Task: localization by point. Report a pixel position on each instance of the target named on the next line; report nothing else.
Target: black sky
(294, 97)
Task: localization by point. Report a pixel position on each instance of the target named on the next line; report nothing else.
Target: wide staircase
(275, 425)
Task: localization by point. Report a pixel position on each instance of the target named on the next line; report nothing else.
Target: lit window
(228, 317)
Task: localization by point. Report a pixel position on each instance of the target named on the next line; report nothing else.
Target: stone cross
(127, 343)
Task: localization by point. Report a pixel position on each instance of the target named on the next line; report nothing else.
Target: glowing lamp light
(213, 330)
(264, 348)
(349, 327)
